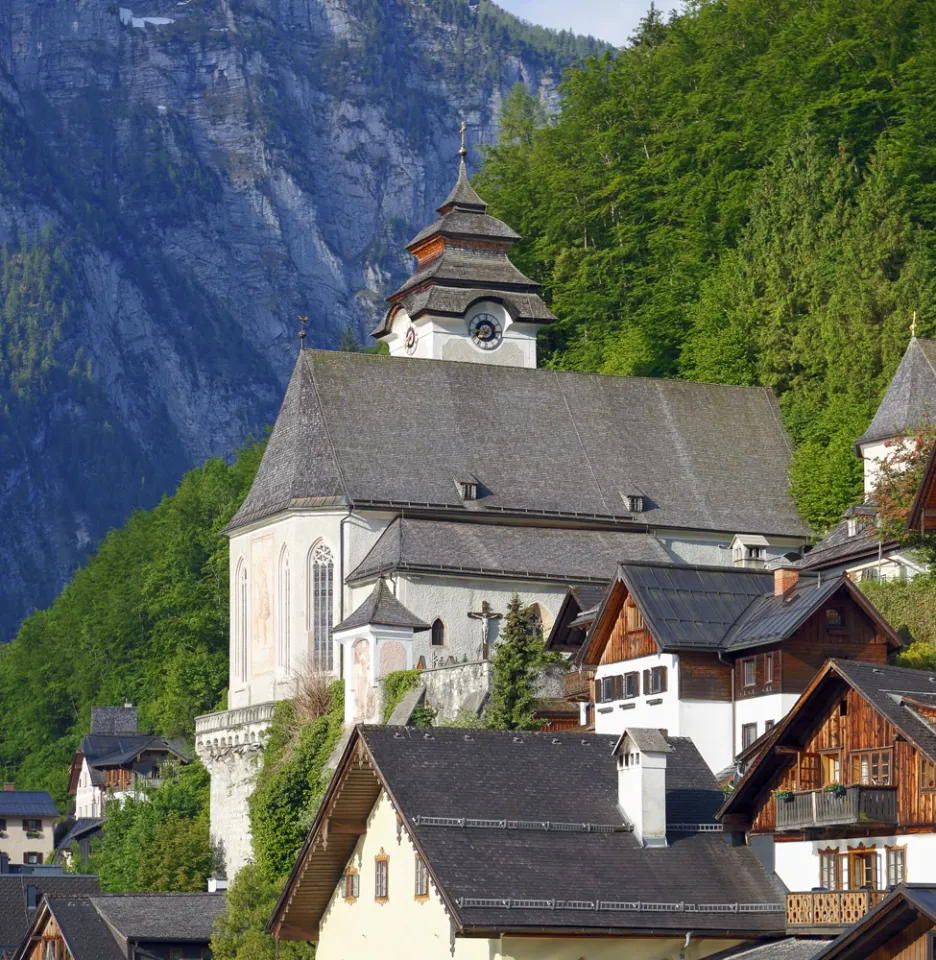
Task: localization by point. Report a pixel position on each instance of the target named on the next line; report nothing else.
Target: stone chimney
(784, 579)
(640, 755)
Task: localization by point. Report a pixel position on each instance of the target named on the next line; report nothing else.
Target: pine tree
(516, 661)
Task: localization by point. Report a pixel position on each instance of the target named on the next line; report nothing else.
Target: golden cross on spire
(913, 325)
(463, 152)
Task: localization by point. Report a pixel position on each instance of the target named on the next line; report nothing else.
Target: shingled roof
(472, 785)
(839, 548)
(529, 553)
(910, 397)
(113, 750)
(382, 608)
(367, 430)
(84, 930)
(15, 915)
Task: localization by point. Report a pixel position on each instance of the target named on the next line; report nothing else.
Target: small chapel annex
(456, 474)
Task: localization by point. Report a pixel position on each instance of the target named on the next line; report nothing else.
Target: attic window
(633, 502)
(381, 877)
(852, 526)
(352, 885)
(467, 489)
(834, 618)
(422, 879)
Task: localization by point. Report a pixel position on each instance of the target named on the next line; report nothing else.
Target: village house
(115, 761)
(122, 926)
(22, 893)
(852, 546)
(448, 842)
(841, 799)
(27, 825)
(717, 654)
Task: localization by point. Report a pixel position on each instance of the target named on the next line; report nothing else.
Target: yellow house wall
(533, 948)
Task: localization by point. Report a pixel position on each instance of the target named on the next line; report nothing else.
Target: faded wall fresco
(261, 605)
(364, 693)
(392, 657)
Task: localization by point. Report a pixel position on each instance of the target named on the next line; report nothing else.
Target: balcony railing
(577, 684)
(828, 909)
(857, 804)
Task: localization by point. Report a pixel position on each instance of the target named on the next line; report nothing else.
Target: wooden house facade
(845, 789)
(718, 654)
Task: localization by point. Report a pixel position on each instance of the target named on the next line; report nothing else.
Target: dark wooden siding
(909, 944)
(625, 644)
(702, 676)
(761, 687)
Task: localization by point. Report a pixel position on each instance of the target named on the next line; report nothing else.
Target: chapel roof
(519, 552)
(381, 608)
(476, 789)
(910, 397)
(397, 431)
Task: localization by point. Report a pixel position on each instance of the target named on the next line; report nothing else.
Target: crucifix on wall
(485, 615)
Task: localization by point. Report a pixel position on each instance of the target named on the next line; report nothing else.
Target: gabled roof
(114, 750)
(178, 917)
(579, 608)
(15, 918)
(910, 397)
(906, 903)
(27, 803)
(892, 691)
(84, 930)
(466, 811)
(394, 431)
(80, 828)
(382, 608)
(528, 553)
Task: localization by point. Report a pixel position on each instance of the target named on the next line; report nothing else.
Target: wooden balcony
(857, 804)
(577, 684)
(828, 911)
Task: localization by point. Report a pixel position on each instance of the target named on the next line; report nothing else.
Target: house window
(768, 669)
(240, 622)
(32, 826)
(872, 767)
(750, 672)
(634, 618)
(2, 825)
(829, 875)
(768, 725)
(352, 884)
(438, 633)
(320, 577)
(175, 953)
(631, 685)
(831, 768)
(927, 777)
(863, 868)
(422, 880)
(655, 680)
(834, 618)
(748, 734)
(48, 950)
(896, 865)
(32, 857)
(382, 877)
(285, 588)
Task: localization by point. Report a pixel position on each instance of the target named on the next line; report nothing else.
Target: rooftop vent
(633, 502)
(467, 489)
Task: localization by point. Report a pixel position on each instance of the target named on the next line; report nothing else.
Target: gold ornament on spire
(463, 152)
(913, 326)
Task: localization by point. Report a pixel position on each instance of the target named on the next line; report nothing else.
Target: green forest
(744, 195)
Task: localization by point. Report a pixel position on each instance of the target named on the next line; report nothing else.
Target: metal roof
(27, 803)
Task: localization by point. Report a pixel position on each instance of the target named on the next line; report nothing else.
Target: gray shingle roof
(114, 720)
(540, 553)
(84, 929)
(397, 430)
(102, 750)
(501, 774)
(839, 549)
(910, 397)
(458, 266)
(648, 740)
(162, 916)
(27, 803)
(382, 608)
(463, 194)
(15, 918)
(791, 948)
(459, 223)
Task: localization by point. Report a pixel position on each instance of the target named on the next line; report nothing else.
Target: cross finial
(302, 330)
(913, 326)
(463, 152)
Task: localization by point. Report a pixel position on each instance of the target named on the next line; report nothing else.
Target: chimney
(784, 579)
(640, 754)
(31, 898)
(9, 786)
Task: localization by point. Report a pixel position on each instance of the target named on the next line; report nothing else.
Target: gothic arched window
(283, 649)
(320, 578)
(240, 622)
(438, 633)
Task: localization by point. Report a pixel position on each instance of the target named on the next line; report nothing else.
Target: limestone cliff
(179, 179)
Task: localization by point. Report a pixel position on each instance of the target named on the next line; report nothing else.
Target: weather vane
(302, 330)
(913, 325)
(463, 152)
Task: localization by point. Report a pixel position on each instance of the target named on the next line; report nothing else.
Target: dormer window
(467, 489)
(852, 525)
(749, 551)
(634, 502)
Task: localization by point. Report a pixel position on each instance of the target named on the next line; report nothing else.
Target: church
(403, 500)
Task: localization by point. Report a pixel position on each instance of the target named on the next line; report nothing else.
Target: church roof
(463, 196)
(382, 608)
(911, 396)
(397, 431)
(461, 224)
(530, 553)
(460, 267)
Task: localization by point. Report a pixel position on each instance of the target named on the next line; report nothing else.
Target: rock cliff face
(179, 179)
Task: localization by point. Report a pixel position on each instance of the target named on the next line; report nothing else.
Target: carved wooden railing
(820, 808)
(578, 683)
(830, 908)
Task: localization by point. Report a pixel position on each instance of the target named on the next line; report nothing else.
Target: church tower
(465, 301)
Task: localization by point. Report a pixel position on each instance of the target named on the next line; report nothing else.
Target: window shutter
(618, 688)
(646, 682)
(39, 858)
(25, 824)
(597, 691)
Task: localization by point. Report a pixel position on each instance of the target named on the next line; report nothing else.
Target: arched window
(438, 633)
(240, 622)
(320, 578)
(283, 648)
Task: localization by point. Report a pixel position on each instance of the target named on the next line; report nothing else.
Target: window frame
(923, 763)
(856, 756)
(898, 852)
(320, 604)
(421, 880)
(863, 854)
(632, 676)
(653, 688)
(33, 853)
(442, 631)
(838, 620)
(752, 663)
(830, 860)
(745, 727)
(769, 669)
(32, 825)
(635, 620)
(352, 885)
(827, 757)
(382, 877)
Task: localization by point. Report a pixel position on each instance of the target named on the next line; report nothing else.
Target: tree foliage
(740, 196)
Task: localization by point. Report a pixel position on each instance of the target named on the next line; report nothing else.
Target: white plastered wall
(797, 863)
(615, 716)
(872, 454)
(715, 549)
(708, 723)
(88, 798)
(759, 710)
(16, 844)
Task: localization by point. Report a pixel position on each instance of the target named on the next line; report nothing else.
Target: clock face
(485, 331)
(409, 341)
